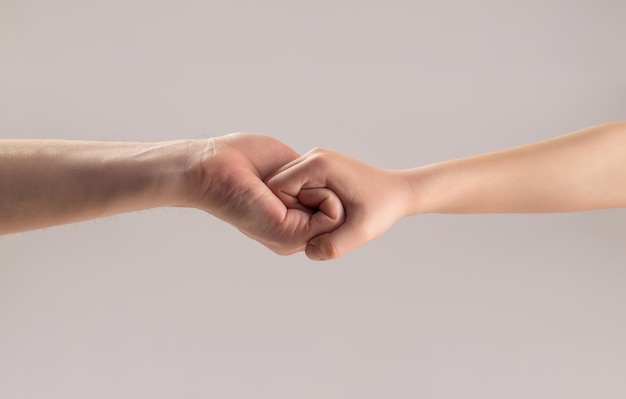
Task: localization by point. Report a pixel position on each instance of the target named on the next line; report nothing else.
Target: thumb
(334, 244)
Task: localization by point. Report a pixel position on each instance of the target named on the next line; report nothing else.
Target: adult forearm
(583, 170)
(50, 182)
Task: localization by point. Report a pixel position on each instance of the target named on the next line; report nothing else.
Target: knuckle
(330, 249)
(319, 158)
(317, 150)
(319, 153)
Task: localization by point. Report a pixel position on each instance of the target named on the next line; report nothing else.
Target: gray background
(173, 303)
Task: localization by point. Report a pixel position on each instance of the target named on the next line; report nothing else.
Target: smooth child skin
(580, 171)
(373, 198)
(323, 202)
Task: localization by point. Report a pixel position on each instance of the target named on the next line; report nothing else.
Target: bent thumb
(336, 243)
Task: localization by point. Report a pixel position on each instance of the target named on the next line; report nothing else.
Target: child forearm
(579, 171)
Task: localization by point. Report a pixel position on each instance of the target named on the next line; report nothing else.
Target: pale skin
(324, 202)
(583, 170)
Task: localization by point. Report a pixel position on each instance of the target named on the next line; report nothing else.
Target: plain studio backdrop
(173, 303)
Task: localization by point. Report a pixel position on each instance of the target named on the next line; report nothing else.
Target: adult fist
(230, 176)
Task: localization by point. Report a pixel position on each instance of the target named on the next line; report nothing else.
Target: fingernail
(313, 252)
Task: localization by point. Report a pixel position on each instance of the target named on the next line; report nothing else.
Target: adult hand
(231, 173)
(50, 182)
(373, 198)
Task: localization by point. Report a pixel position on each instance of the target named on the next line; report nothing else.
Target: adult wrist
(184, 172)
